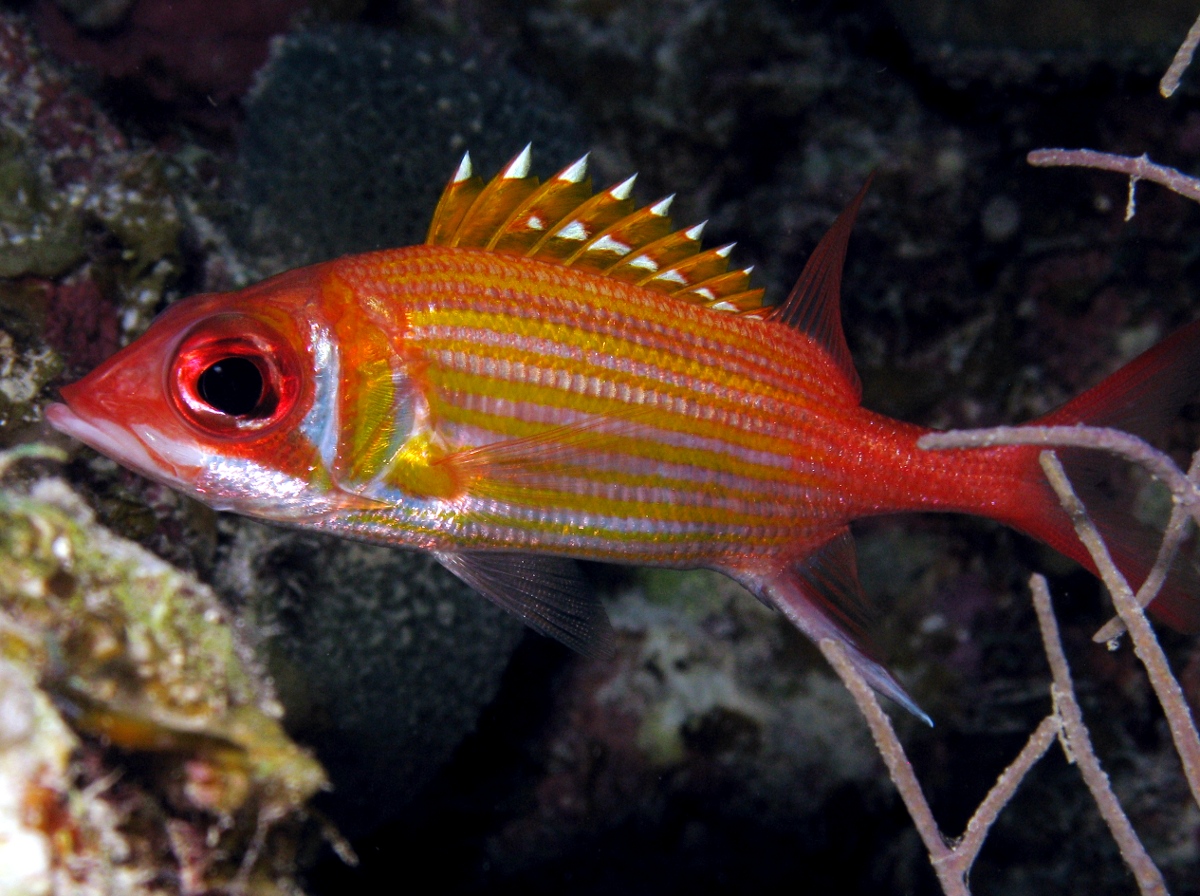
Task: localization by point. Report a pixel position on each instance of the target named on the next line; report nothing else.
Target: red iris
(233, 375)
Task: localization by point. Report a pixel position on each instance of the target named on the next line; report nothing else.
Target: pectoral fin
(548, 593)
(542, 458)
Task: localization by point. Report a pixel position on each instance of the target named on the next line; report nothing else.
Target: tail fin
(1140, 398)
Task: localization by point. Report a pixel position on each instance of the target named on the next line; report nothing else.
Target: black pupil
(233, 386)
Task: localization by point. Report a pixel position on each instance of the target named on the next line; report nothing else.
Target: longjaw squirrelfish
(558, 374)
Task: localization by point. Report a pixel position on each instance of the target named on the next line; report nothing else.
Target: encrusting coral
(137, 733)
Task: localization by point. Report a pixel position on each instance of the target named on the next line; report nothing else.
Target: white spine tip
(693, 232)
(660, 208)
(724, 251)
(518, 168)
(573, 231)
(465, 170)
(623, 189)
(576, 171)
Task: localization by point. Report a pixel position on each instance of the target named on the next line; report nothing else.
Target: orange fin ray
(581, 223)
(458, 197)
(655, 255)
(563, 222)
(492, 207)
(543, 210)
(639, 228)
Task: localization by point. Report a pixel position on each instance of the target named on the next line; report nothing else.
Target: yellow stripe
(647, 448)
(703, 541)
(534, 291)
(617, 345)
(663, 418)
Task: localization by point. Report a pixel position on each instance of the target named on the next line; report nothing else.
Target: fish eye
(232, 385)
(234, 375)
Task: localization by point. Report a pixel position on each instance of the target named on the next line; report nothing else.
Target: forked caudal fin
(1140, 398)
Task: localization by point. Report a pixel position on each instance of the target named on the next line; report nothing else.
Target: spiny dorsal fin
(562, 221)
(815, 302)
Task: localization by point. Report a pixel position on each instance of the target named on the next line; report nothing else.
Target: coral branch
(1136, 167)
(1183, 58)
(1145, 643)
(951, 876)
(1077, 744)
(1114, 441)
(952, 864)
(1006, 785)
(1176, 531)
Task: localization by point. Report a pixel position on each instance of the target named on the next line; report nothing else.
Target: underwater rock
(86, 225)
(95, 14)
(23, 376)
(351, 135)
(75, 201)
(1052, 26)
(133, 719)
(383, 658)
(709, 742)
(197, 54)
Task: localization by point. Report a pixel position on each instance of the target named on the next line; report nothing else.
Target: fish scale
(557, 375)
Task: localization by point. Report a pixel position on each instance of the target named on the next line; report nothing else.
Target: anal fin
(548, 593)
(820, 594)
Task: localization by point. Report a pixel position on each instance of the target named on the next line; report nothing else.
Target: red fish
(556, 374)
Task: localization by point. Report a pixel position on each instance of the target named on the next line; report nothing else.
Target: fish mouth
(140, 447)
(106, 437)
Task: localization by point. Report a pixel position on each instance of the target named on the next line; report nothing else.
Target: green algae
(134, 655)
(41, 231)
(44, 231)
(23, 375)
(695, 592)
(136, 205)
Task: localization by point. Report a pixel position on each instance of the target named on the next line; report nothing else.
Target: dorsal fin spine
(577, 215)
(576, 171)
(562, 222)
(655, 255)
(518, 168)
(624, 189)
(641, 219)
(455, 203)
(573, 175)
(465, 171)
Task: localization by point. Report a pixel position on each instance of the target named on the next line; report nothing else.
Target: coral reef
(86, 223)
(138, 736)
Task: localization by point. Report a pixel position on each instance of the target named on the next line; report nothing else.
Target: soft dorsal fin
(562, 221)
(814, 305)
